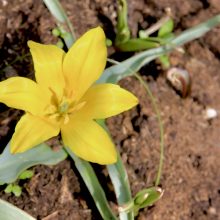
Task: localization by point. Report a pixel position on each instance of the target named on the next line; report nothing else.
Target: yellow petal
(85, 61)
(48, 61)
(106, 100)
(24, 94)
(89, 141)
(31, 131)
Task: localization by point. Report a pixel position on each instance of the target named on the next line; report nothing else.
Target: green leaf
(16, 189)
(119, 179)
(137, 44)
(56, 32)
(8, 188)
(108, 42)
(142, 34)
(90, 179)
(27, 174)
(167, 28)
(130, 66)
(122, 32)
(12, 165)
(60, 44)
(164, 59)
(121, 186)
(147, 197)
(11, 212)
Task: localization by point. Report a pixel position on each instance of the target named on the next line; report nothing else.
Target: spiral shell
(180, 80)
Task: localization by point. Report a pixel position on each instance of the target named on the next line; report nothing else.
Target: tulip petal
(48, 61)
(85, 61)
(24, 94)
(89, 141)
(106, 100)
(31, 131)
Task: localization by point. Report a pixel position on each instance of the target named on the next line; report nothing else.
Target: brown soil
(191, 173)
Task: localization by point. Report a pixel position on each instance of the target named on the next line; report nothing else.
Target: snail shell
(180, 80)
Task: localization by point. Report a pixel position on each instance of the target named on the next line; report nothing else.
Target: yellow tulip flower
(65, 99)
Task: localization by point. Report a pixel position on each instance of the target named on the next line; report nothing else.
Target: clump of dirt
(190, 175)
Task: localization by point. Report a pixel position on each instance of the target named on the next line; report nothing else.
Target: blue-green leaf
(90, 179)
(11, 212)
(12, 165)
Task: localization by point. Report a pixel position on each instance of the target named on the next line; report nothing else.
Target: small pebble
(212, 211)
(210, 113)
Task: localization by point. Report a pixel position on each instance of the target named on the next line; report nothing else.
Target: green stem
(159, 172)
(123, 32)
(155, 27)
(90, 179)
(156, 110)
(62, 20)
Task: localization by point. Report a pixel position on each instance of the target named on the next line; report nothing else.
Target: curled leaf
(147, 197)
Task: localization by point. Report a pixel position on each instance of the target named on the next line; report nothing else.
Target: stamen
(54, 96)
(66, 119)
(53, 116)
(50, 110)
(77, 107)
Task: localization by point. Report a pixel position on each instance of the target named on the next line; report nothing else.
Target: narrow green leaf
(126, 68)
(121, 185)
(90, 179)
(119, 178)
(12, 165)
(136, 44)
(11, 212)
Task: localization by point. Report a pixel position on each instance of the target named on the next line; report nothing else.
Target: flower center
(62, 110)
(63, 107)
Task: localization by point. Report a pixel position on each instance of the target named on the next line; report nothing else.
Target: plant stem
(159, 172)
(123, 32)
(155, 27)
(156, 110)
